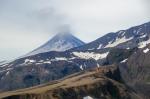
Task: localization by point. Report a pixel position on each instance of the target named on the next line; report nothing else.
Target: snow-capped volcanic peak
(60, 42)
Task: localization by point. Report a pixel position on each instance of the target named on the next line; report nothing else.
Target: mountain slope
(44, 67)
(136, 71)
(137, 36)
(134, 68)
(60, 42)
(100, 83)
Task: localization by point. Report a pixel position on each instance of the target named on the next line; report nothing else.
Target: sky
(27, 24)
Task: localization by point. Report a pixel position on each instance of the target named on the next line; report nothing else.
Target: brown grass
(77, 79)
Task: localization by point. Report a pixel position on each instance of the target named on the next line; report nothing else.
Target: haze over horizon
(27, 24)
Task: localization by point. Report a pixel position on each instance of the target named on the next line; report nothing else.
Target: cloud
(98, 17)
(26, 24)
(147, 4)
(34, 15)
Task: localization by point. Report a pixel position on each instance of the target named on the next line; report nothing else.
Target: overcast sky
(26, 24)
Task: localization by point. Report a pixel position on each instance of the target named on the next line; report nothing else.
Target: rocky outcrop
(136, 72)
(134, 66)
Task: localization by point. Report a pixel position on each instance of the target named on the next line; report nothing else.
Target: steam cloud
(35, 15)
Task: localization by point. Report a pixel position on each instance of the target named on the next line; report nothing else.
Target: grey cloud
(33, 15)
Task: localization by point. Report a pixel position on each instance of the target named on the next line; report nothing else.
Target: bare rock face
(134, 68)
(136, 71)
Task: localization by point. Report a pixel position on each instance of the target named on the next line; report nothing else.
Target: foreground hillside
(100, 83)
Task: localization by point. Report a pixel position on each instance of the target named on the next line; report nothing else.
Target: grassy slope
(89, 78)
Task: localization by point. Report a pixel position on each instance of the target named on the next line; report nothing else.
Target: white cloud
(26, 24)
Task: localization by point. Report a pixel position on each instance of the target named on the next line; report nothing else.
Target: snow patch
(29, 61)
(122, 33)
(143, 44)
(47, 62)
(81, 67)
(61, 58)
(7, 73)
(88, 55)
(124, 61)
(118, 41)
(88, 97)
(98, 65)
(143, 36)
(72, 58)
(38, 63)
(146, 50)
(100, 46)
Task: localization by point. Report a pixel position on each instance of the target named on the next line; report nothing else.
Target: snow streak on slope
(136, 36)
(146, 50)
(124, 61)
(118, 41)
(143, 44)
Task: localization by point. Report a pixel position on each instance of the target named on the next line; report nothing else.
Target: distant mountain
(60, 42)
(138, 36)
(41, 67)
